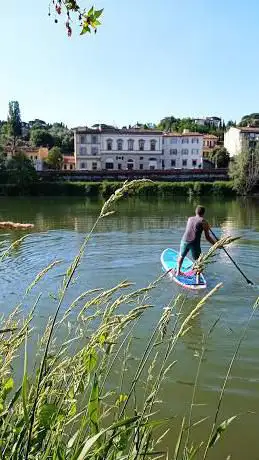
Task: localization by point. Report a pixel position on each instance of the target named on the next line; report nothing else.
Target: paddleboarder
(191, 240)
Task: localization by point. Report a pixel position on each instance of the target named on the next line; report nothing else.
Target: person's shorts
(193, 247)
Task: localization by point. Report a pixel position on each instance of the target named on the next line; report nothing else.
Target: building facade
(87, 149)
(183, 151)
(115, 149)
(209, 143)
(108, 148)
(238, 139)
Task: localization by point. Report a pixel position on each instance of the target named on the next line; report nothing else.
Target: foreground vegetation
(84, 396)
(105, 189)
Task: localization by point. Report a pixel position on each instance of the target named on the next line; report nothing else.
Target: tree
(88, 21)
(55, 158)
(231, 124)
(219, 157)
(250, 120)
(168, 124)
(21, 171)
(14, 123)
(244, 171)
(41, 138)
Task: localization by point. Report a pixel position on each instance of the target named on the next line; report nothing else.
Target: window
(173, 151)
(65, 166)
(141, 144)
(152, 168)
(184, 151)
(153, 145)
(109, 144)
(119, 144)
(94, 166)
(119, 158)
(94, 150)
(94, 139)
(163, 164)
(184, 163)
(119, 165)
(173, 163)
(174, 140)
(31, 157)
(71, 166)
(130, 144)
(82, 140)
(130, 164)
(195, 151)
(163, 152)
(141, 166)
(195, 140)
(194, 163)
(36, 158)
(82, 165)
(82, 151)
(108, 165)
(141, 158)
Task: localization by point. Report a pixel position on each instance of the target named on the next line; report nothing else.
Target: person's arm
(206, 229)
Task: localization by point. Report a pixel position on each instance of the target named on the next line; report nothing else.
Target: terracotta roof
(209, 136)
(248, 129)
(69, 159)
(183, 134)
(110, 130)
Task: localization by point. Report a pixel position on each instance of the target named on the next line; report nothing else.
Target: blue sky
(149, 59)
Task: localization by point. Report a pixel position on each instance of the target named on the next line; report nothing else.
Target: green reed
(77, 401)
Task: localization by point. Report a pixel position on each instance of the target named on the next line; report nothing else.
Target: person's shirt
(194, 228)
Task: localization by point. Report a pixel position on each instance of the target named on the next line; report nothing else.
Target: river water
(128, 245)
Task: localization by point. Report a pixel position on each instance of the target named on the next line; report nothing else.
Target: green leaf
(91, 11)
(179, 441)
(7, 387)
(85, 29)
(91, 441)
(98, 13)
(221, 428)
(90, 360)
(93, 407)
(47, 415)
(25, 384)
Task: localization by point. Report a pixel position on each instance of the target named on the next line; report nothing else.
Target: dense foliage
(244, 171)
(14, 123)
(55, 158)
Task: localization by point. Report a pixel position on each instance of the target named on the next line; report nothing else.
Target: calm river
(128, 245)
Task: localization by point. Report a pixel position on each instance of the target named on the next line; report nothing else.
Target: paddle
(232, 260)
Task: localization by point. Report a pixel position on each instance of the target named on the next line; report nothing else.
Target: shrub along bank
(105, 189)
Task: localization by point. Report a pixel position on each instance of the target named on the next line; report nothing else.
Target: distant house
(214, 122)
(37, 156)
(183, 151)
(69, 163)
(209, 143)
(237, 139)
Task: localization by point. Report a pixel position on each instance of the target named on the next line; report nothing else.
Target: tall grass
(76, 401)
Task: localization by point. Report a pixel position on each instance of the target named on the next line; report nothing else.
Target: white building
(111, 148)
(87, 148)
(183, 150)
(237, 139)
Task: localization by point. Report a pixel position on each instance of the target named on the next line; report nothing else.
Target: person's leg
(196, 252)
(184, 249)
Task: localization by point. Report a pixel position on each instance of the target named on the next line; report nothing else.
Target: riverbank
(104, 189)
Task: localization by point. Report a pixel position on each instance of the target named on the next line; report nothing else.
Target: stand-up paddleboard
(188, 279)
